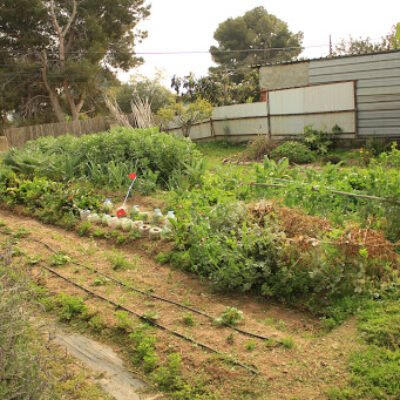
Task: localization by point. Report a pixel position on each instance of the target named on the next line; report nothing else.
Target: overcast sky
(189, 25)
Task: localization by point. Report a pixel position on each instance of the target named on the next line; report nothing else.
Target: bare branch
(54, 18)
(71, 18)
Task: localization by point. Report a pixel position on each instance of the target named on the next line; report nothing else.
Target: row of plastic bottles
(156, 217)
(139, 223)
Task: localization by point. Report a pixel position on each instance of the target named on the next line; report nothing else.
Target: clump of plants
(258, 148)
(52, 202)
(107, 158)
(230, 316)
(295, 152)
(319, 140)
(216, 239)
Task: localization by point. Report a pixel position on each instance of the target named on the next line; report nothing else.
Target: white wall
(313, 99)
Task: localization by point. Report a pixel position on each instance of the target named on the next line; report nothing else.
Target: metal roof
(322, 59)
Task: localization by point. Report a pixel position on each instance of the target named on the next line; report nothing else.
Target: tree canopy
(362, 46)
(255, 37)
(145, 88)
(56, 54)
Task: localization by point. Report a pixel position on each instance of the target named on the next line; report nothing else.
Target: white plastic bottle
(107, 205)
(157, 216)
(170, 217)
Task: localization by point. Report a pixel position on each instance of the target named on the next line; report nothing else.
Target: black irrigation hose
(150, 321)
(246, 333)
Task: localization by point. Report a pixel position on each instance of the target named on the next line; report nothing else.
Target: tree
(255, 37)
(144, 88)
(60, 52)
(363, 46)
(184, 115)
(218, 88)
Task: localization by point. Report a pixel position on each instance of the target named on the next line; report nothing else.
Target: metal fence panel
(314, 99)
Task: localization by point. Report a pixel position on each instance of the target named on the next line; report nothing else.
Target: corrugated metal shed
(377, 89)
(377, 78)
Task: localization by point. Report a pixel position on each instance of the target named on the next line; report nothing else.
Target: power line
(179, 52)
(184, 52)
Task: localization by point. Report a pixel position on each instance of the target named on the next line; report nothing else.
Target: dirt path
(303, 371)
(115, 379)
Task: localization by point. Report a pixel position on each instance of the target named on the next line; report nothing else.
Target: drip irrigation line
(153, 296)
(316, 189)
(151, 322)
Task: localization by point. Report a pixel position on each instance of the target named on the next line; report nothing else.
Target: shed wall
(284, 76)
(377, 90)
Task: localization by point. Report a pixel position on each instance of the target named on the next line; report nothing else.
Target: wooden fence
(17, 137)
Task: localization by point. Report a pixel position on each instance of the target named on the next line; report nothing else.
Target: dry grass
(258, 148)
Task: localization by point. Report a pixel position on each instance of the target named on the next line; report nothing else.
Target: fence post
(3, 143)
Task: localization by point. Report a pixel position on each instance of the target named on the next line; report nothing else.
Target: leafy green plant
(295, 152)
(143, 349)
(318, 140)
(33, 260)
(99, 233)
(97, 323)
(69, 307)
(106, 159)
(231, 316)
(120, 263)
(124, 321)
(60, 259)
(121, 239)
(84, 228)
(100, 281)
(151, 315)
(168, 377)
(188, 319)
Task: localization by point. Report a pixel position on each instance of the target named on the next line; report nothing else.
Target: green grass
(375, 367)
(217, 150)
(380, 324)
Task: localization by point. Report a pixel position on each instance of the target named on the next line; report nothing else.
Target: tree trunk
(52, 94)
(62, 33)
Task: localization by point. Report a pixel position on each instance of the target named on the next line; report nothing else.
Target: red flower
(132, 175)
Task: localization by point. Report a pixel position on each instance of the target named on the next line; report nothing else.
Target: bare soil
(305, 371)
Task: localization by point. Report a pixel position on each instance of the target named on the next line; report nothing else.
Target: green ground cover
(217, 237)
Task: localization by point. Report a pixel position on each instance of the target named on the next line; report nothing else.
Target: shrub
(258, 148)
(296, 152)
(106, 159)
(317, 140)
(51, 202)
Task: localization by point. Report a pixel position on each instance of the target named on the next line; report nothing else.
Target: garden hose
(152, 322)
(153, 296)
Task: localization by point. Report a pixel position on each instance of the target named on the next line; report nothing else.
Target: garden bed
(296, 242)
